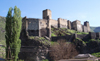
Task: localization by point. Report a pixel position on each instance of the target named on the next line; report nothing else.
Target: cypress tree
(13, 29)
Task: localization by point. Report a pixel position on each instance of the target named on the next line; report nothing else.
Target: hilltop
(43, 41)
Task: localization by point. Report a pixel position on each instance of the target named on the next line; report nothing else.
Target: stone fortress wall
(42, 27)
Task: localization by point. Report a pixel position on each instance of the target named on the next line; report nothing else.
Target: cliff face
(33, 48)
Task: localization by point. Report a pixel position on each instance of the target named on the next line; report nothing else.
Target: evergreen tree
(13, 29)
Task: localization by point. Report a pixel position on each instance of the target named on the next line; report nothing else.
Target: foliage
(52, 42)
(42, 40)
(2, 28)
(91, 40)
(82, 33)
(13, 29)
(52, 34)
(78, 39)
(64, 31)
(45, 60)
(71, 31)
(31, 37)
(96, 54)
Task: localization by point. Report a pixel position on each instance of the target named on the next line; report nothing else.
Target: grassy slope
(63, 32)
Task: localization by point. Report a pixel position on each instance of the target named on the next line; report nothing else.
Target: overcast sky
(83, 10)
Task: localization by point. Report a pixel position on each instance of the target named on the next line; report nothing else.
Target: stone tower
(86, 23)
(69, 24)
(46, 13)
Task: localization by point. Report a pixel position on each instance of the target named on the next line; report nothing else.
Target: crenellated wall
(69, 24)
(42, 27)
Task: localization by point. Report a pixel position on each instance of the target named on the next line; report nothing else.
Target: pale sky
(83, 10)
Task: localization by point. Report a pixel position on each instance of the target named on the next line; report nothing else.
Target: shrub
(62, 50)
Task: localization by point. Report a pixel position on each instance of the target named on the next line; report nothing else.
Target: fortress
(42, 27)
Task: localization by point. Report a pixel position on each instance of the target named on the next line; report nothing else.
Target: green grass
(71, 31)
(31, 37)
(96, 54)
(40, 39)
(45, 60)
(52, 34)
(52, 42)
(64, 31)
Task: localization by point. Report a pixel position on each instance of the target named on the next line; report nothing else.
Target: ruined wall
(86, 23)
(32, 26)
(67, 37)
(84, 28)
(69, 24)
(62, 23)
(24, 23)
(42, 27)
(54, 23)
(98, 35)
(42, 23)
(92, 35)
(46, 13)
(76, 25)
(79, 26)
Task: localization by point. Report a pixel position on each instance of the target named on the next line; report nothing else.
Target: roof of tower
(47, 10)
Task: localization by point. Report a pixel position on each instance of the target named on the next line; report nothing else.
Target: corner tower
(46, 13)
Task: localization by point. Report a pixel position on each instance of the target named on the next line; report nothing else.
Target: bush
(62, 50)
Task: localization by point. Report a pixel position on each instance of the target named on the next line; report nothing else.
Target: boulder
(81, 56)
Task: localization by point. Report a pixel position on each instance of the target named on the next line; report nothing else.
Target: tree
(62, 50)
(13, 29)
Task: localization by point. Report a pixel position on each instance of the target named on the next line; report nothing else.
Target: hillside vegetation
(63, 32)
(95, 29)
(2, 28)
(2, 37)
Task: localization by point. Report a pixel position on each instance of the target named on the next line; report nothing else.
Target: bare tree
(62, 50)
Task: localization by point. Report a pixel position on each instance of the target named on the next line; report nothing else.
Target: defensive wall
(42, 27)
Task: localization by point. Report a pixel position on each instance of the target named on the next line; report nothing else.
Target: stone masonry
(69, 24)
(42, 27)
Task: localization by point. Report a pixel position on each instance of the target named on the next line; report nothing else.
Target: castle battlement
(42, 27)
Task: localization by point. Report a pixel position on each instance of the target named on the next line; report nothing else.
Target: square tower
(88, 26)
(76, 25)
(46, 13)
(69, 24)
